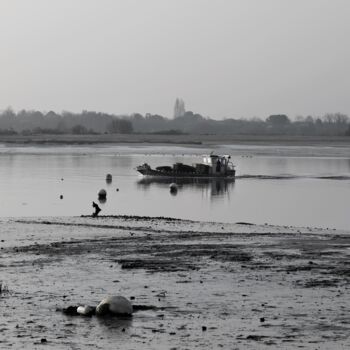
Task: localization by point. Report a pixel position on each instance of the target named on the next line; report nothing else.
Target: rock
(204, 328)
(43, 340)
(71, 310)
(262, 319)
(97, 208)
(116, 305)
(86, 310)
(255, 337)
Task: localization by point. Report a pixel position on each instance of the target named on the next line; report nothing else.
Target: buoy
(117, 305)
(173, 187)
(61, 196)
(102, 194)
(109, 178)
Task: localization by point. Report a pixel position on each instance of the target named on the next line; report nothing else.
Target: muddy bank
(186, 139)
(206, 285)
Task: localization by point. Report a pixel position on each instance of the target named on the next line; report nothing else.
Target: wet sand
(205, 285)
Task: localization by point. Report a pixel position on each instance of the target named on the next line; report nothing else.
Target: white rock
(86, 310)
(115, 305)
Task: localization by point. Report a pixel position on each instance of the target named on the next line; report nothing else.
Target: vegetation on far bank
(27, 123)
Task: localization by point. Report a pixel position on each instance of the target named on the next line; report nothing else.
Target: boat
(213, 166)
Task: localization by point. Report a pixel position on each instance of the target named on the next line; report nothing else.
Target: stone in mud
(255, 337)
(144, 307)
(115, 305)
(86, 310)
(71, 311)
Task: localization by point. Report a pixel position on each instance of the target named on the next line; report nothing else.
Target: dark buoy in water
(109, 178)
(61, 196)
(173, 188)
(102, 194)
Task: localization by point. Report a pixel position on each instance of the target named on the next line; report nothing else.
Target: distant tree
(7, 132)
(335, 118)
(278, 120)
(318, 121)
(179, 108)
(335, 123)
(61, 125)
(120, 126)
(347, 132)
(79, 130)
(8, 119)
(309, 119)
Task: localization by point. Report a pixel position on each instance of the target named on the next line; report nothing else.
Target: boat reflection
(211, 187)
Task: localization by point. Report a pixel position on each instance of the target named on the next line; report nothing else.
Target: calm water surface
(297, 190)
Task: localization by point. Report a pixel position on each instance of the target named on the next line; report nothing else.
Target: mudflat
(195, 285)
(191, 139)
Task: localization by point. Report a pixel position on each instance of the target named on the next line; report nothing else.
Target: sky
(224, 58)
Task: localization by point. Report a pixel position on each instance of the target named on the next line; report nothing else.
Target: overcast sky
(225, 58)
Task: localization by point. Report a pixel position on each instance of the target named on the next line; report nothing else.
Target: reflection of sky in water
(30, 185)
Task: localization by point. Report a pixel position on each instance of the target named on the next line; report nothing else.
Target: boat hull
(174, 174)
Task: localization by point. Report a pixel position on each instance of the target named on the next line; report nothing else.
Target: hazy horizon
(226, 59)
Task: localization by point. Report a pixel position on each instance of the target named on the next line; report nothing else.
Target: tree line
(332, 124)
(89, 122)
(86, 122)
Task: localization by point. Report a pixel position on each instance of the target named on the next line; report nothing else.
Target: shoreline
(185, 139)
(208, 285)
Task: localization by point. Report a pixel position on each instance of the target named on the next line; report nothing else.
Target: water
(302, 186)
